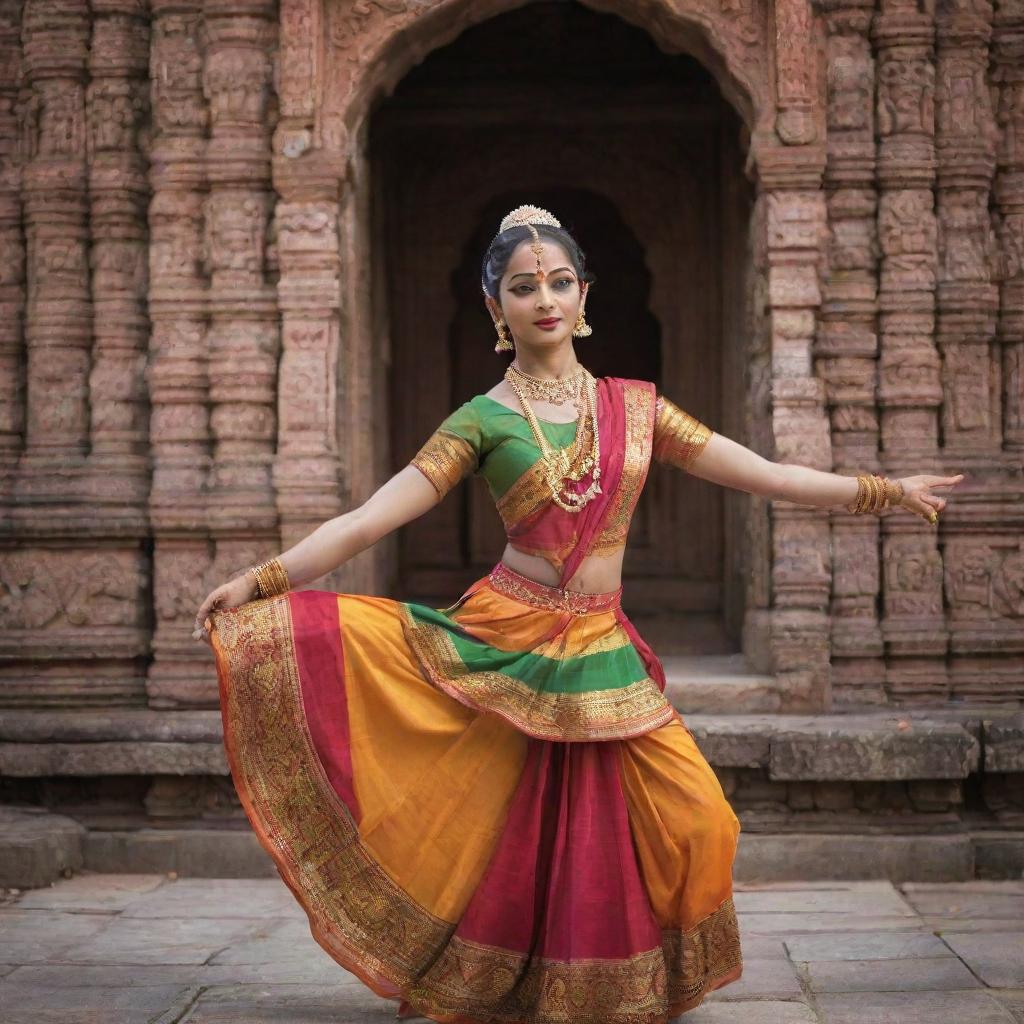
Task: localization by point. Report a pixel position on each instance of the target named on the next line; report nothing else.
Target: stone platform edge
(884, 745)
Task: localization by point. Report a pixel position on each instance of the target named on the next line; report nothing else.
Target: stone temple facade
(239, 247)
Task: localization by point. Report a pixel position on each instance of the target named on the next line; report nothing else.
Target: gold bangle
(872, 483)
(893, 493)
(869, 496)
(869, 487)
(875, 493)
(880, 503)
(271, 578)
(855, 506)
(852, 507)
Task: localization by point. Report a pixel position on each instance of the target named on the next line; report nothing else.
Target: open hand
(918, 496)
(228, 595)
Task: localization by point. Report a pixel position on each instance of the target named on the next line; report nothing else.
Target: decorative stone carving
(116, 104)
(795, 67)
(206, 333)
(236, 82)
(59, 312)
(301, 70)
(176, 70)
(177, 370)
(12, 247)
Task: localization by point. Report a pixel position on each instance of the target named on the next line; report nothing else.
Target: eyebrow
(534, 274)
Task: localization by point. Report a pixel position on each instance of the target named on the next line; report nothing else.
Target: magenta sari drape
(552, 528)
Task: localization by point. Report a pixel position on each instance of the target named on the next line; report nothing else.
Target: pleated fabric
(489, 812)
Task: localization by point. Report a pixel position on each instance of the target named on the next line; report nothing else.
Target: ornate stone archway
(335, 62)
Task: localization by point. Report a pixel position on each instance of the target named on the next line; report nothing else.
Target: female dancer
(490, 812)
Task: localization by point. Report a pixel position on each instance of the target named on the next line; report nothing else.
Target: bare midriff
(596, 574)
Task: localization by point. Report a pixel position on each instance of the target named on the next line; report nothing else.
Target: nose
(544, 297)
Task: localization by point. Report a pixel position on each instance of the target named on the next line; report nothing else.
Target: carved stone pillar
(118, 105)
(802, 562)
(243, 343)
(309, 181)
(55, 35)
(12, 251)
(306, 468)
(847, 345)
(967, 295)
(792, 218)
(1008, 75)
(910, 391)
(984, 558)
(73, 586)
(795, 69)
(179, 422)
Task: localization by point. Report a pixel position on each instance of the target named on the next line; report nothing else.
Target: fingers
(944, 481)
(202, 625)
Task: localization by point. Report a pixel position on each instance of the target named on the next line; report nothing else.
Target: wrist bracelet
(271, 578)
(875, 493)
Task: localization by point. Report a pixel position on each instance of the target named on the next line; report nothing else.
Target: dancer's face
(550, 292)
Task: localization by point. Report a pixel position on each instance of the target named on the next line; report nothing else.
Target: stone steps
(721, 684)
(876, 745)
(38, 847)
(881, 747)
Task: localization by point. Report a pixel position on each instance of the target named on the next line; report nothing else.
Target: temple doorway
(639, 154)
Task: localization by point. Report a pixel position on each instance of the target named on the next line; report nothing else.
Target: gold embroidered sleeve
(445, 460)
(678, 437)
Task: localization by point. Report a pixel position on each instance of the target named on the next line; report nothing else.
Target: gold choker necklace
(556, 390)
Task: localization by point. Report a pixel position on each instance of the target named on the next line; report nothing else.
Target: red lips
(547, 323)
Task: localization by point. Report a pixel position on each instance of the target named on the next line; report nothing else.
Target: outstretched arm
(682, 440)
(406, 496)
(450, 454)
(724, 461)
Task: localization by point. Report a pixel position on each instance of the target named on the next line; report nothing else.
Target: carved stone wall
(188, 346)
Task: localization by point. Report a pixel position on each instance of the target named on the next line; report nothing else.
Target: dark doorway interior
(630, 147)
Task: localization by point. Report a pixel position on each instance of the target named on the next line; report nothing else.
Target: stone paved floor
(121, 949)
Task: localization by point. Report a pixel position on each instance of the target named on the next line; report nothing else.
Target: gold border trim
(611, 714)
(638, 400)
(648, 986)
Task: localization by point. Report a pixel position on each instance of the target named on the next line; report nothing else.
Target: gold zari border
(678, 437)
(638, 402)
(444, 460)
(648, 986)
(539, 595)
(611, 714)
(525, 496)
(298, 817)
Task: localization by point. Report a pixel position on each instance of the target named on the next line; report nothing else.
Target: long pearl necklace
(564, 465)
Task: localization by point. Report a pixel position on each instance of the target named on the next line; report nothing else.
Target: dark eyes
(561, 280)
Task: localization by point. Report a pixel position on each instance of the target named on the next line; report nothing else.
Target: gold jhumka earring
(504, 343)
(581, 329)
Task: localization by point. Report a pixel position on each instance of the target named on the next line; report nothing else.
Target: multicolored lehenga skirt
(490, 813)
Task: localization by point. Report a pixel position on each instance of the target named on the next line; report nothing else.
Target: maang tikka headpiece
(526, 216)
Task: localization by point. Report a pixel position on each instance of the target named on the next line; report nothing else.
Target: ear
(492, 307)
(584, 288)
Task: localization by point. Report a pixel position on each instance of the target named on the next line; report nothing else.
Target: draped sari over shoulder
(491, 812)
